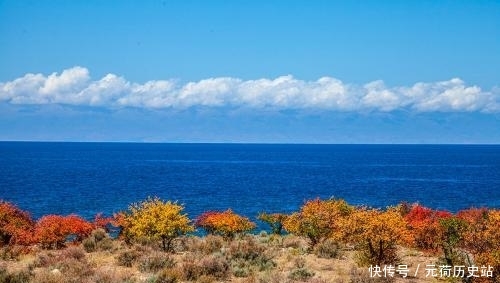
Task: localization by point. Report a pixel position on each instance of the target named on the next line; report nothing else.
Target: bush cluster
(469, 236)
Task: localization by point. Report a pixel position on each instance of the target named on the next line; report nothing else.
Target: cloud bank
(74, 86)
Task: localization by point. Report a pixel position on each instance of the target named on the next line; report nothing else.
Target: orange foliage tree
(376, 234)
(52, 231)
(123, 224)
(16, 225)
(425, 227)
(319, 219)
(225, 223)
(481, 236)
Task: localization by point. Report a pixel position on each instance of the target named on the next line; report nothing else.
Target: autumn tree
(275, 220)
(376, 234)
(122, 222)
(453, 230)
(16, 225)
(224, 223)
(155, 219)
(318, 220)
(481, 236)
(425, 227)
(52, 231)
(78, 227)
(102, 222)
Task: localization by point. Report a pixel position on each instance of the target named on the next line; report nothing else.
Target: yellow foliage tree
(481, 237)
(376, 234)
(157, 220)
(318, 220)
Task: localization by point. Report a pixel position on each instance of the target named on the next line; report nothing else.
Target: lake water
(87, 178)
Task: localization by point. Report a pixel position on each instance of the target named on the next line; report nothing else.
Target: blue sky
(250, 71)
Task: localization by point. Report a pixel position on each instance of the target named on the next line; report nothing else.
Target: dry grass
(260, 259)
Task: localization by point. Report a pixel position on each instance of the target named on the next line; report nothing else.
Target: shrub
(13, 252)
(300, 274)
(247, 256)
(241, 272)
(89, 245)
(74, 253)
(328, 249)
(98, 240)
(169, 275)
(247, 249)
(216, 266)
(105, 244)
(107, 275)
(45, 259)
(16, 225)
(226, 223)
(127, 258)
(213, 267)
(14, 277)
(275, 220)
(191, 271)
(362, 276)
(453, 229)
(211, 244)
(75, 270)
(155, 262)
(47, 276)
(318, 220)
(157, 220)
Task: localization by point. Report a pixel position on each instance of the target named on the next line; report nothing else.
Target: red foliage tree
(78, 227)
(16, 225)
(424, 225)
(52, 231)
(102, 222)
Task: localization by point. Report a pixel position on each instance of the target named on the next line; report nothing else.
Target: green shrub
(216, 266)
(169, 275)
(127, 258)
(105, 244)
(300, 274)
(22, 276)
(247, 249)
(11, 252)
(241, 271)
(75, 270)
(89, 245)
(328, 249)
(190, 269)
(212, 244)
(73, 252)
(98, 240)
(155, 262)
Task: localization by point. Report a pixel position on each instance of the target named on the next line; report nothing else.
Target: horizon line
(238, 143)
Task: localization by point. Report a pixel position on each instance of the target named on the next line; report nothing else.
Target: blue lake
(87, 178)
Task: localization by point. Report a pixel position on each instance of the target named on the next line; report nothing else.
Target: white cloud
(75, 87)
(69, 81)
